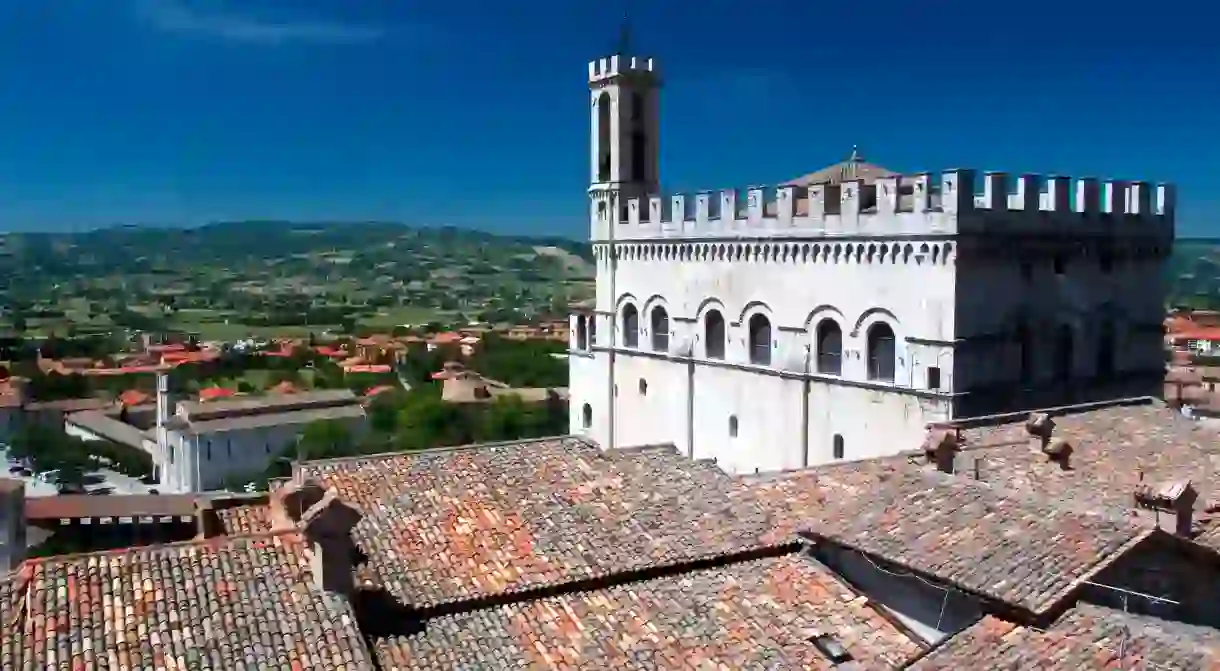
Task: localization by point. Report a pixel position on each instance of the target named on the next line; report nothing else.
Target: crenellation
(1165, 200)
(896, 205)
(613, 66)
(1088, 196)
(957, 191)
(887, 194)
(1139, 199)
(1114, 197)
(1058, 194)
(1028, 196)
(921, 192)
(849, 205)
(755, 205)
(995, 191)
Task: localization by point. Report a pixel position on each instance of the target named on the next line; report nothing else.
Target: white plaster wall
(796, 285)
(204, 462)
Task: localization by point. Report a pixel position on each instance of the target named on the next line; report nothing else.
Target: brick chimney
(327, 524)
(940, 447)
(1177, 497)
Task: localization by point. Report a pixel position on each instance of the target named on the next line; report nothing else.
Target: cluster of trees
(47, 448)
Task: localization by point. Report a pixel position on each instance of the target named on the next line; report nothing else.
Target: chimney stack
(1040, 426)
(1060, 452)
(940, 447)
(1176, 497)
(327, 524)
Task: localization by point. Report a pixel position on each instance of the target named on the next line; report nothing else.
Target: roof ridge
(140, 549)
(449, 448)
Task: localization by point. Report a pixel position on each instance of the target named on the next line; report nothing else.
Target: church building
(836, 315)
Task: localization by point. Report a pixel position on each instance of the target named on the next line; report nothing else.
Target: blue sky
(475, 113)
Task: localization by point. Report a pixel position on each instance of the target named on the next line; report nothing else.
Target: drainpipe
(805, 385)
(690, 404)
(614, 205)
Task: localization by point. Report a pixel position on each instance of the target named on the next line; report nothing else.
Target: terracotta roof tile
(1115, 449)
(1005, 546)
(453, 525)
(242, 603)
(250, 518)
(1087, 638)
(749, 615)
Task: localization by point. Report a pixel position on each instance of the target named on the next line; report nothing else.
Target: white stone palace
(837, 315)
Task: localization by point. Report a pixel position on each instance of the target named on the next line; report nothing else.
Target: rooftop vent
(1177, 497)
(1059, 451)
(940, 447)
(831, 648)
(1040, 425)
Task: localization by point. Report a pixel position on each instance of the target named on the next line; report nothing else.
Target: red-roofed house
(134, 397)
(213, 393)
(379, 389)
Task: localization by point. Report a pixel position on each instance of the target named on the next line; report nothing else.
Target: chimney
(940, 447)
(327, 524)
(1040, 426)
(1177, 497)
(1059, 451)
(12, 524)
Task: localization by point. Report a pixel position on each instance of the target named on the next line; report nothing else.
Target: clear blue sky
(475, 113)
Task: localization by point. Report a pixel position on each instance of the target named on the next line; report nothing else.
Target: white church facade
(836, 316)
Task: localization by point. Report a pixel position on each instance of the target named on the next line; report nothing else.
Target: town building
(199, 445)
(204, 443)
(834, 316)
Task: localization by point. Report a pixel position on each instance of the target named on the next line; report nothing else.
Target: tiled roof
(1114, 450)
(249, 518)
(104, 426)
(1001, 545)
(452, 525)
(1087, 638)
(242, 604)
(748, 615)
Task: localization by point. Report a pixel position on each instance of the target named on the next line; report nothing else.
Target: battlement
(606, 68)
(955, 201)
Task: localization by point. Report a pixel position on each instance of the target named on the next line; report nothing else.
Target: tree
(326, 439)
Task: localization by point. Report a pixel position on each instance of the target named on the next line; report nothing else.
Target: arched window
(659, 323)
(713, 334)
(1105, 351)
(881, 352)
(582, 333)
(586, 416)
(1064, 353)
(838, 446)
(829, 347)
(631, 326)
(603, 137)
(760, 340)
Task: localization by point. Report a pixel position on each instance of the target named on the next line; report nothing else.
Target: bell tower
(624, 161)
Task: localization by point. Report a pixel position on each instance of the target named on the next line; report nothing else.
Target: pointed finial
(855, 155)
(624, 36)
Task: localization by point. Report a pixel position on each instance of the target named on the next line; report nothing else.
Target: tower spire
(624, 35)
